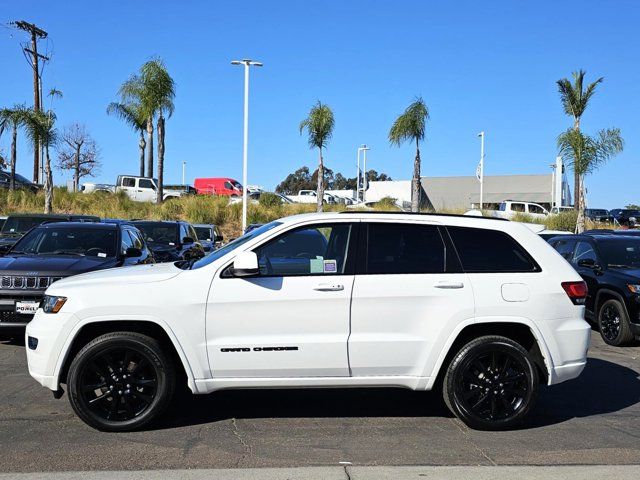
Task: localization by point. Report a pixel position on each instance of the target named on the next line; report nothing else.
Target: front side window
(128, 182)
(536, 209)
(145, 183)
(228, 185)
(126, 243)
(312, 250)
(584, 251)
(400, 248)
(483, 251)
(565, 248)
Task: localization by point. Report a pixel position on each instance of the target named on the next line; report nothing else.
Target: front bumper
(9, 318)
(51, 332)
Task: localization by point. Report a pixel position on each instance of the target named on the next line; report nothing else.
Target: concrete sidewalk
(629, 472)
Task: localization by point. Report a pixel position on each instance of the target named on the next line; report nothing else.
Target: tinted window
(144, 183)
(536, 209)
(228, 186)
(127, 242)
(136, 238)
(584, 251)
(517, 207)
(128, 182)
(21, 224)
(621, 252)
(404, 248)
(317, 250)
(565, 248)
(96, 242)
(483, 250)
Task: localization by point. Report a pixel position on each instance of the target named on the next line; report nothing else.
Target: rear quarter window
(490, 251)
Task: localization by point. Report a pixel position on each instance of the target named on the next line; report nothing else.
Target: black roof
(91, 225)
(168, 222)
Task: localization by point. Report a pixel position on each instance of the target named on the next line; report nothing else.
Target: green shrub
(565, 221)
(269, 200)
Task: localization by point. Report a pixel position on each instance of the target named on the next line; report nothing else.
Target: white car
(510, 208)
(482, 307)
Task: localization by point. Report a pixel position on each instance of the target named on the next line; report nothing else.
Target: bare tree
(78, 152)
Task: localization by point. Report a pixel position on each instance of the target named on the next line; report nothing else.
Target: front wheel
(613, 323)
(120, 381)
(491, 383)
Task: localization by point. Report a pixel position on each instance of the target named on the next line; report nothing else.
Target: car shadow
(604, 387)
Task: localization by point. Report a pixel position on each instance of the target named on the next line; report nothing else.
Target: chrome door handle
(449, 285)
(329, 287)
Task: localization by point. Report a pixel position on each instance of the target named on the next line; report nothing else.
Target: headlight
(634, 288)
(52, 304)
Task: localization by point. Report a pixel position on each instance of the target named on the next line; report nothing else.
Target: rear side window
(128, 182)
(397, 248)
(484, 251)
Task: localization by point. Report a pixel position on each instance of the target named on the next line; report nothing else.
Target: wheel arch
(605, 294)
(519, 330)
(93, 328)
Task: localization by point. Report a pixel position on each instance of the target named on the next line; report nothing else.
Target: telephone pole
(35, 33)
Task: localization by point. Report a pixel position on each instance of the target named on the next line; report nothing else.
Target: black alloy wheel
(613, 324)
(120, 381)
(491, 384)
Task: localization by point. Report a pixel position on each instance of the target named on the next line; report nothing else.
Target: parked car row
(609, 262)
(38, 250)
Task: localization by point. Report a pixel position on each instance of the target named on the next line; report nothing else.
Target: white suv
(482, 307)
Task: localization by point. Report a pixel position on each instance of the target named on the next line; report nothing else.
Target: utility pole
(480, 169)
(35, 33)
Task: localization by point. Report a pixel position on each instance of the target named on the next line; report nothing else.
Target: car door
(585, 251)
(292, 319)
(409, 292)
(146, 191)
(128, 185)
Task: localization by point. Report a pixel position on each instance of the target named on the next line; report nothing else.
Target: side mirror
(133, 252)
(588, 263)
(245, 265)
(188, 240)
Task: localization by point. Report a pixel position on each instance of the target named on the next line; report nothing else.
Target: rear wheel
(120, 381)
(491, 383)
(613, 323)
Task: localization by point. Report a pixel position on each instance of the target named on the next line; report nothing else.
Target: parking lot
(594, 419)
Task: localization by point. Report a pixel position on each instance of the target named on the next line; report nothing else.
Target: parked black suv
(626, 216)
(53, 251)
(16, 225)
(21, 182)
(610, 265)
(170, 241)
(598, 214)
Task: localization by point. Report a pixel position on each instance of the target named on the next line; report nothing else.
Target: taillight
(576, 291)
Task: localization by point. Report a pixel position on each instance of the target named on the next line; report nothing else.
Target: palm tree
(410, 126)
(13, 118)
(153, 90)
(575, 98)
(319, 125)
(131, 114)
(585, 154)
(40, 126)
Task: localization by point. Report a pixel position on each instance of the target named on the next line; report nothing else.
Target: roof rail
(456, 215)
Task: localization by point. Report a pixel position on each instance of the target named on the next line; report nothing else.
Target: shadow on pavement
(603, 387)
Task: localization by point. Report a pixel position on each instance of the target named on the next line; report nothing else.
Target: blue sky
(488, 66)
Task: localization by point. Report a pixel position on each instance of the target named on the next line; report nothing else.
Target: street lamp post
(480, 172)
(247, 63)
(362, 149)
(184, 166)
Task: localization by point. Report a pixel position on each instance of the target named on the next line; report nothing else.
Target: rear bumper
(568, 342)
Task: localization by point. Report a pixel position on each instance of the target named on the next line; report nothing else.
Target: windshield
(19, 225)
(203, 233)
(93, 242)
(235, 244)
(597, 212)
(621, 252)
(158, 233)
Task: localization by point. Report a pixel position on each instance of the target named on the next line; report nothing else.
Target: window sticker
(315, 265)
(102, 255)
(171, 243)
(330, 266)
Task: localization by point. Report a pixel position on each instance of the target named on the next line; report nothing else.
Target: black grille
(23, 282)
(12, 317)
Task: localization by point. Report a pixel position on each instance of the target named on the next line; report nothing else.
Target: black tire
(133, 379)
(491, 384)
(613, 324)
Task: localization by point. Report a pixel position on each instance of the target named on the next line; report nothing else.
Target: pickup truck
(140, 189)
(310, 196)
(510, 208)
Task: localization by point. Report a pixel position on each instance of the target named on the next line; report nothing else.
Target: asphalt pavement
(593, 420)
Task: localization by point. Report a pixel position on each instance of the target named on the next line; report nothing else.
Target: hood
(137, 274)
(9, 238)
(52, 265)
(173, 191)
(630, 275)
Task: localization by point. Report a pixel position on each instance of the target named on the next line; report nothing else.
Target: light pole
(362, 149)
(480, 171)
(247, 63)
(184, 166)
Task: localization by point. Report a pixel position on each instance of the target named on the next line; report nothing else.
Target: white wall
(398, 189)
